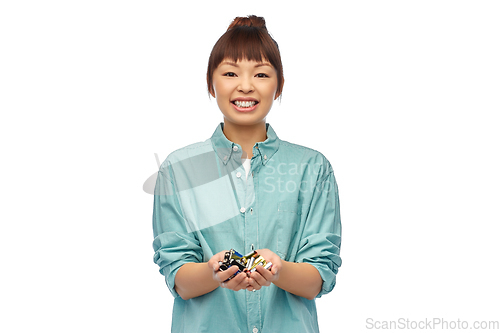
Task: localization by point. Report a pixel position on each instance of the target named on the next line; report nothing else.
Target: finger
(258, 278)
(215, 266)
(216, 276)
(221, 276)
(243, 284)
(214, 262)
(249, 287)
(255, 285)
(236, 282)
(266, 274)
(216, 259)
(275, 269)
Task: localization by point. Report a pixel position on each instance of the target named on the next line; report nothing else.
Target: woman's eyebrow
(230, 63)
(260, 64)
(263, 64)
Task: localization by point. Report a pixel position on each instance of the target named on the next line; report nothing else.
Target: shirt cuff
(328, 276)
(170, 272)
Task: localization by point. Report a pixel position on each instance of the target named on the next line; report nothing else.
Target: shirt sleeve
(173, 244)
(320, 242)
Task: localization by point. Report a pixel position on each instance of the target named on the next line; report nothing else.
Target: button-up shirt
(203, 205)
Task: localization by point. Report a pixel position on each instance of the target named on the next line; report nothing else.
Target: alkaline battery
(250, 254)
(250, 262)
(255, 267)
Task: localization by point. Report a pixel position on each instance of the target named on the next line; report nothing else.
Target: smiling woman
(205, 205)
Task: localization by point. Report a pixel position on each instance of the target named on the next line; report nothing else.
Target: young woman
(246, 189)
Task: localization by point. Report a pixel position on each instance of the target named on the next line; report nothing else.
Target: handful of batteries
(246, 263)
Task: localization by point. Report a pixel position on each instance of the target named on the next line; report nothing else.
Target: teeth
(246, 104)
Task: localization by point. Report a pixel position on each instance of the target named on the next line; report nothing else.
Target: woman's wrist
(193, 280)
(301, 279)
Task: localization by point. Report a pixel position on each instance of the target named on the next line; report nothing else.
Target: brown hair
(246, 38)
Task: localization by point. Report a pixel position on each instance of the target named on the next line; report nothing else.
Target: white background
(401, 96)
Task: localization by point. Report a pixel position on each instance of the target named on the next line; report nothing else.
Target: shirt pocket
(289, 216)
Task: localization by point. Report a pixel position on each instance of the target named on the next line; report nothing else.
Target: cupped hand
(263, 277)
(240, 281)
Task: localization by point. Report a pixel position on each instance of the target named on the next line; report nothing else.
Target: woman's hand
(263, 277)
(240, 281)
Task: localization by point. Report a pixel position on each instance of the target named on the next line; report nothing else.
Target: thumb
(215, 266)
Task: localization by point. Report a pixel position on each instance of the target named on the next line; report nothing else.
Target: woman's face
(245, 90)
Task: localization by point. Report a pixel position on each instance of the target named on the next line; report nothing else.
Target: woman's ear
(278, 94)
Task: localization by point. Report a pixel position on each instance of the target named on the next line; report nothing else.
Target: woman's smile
(245, 104)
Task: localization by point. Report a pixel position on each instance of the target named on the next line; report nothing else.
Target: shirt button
(238, 174)
(235, 148)
(265, 157)
(255, 330)
(242, 209)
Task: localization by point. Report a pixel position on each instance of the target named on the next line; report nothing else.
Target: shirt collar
(225, 148)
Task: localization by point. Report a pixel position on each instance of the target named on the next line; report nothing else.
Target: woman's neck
(245, 135)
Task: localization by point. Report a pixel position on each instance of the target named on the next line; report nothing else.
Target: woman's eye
(262, 75)
(230, 74)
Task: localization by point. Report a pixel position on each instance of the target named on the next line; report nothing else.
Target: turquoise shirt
(203, 205)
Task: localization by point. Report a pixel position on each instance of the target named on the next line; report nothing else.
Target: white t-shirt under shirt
(246, 165)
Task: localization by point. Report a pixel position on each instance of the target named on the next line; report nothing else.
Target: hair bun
(250, 21)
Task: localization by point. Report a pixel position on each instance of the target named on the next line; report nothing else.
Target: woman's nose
(245, 85)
